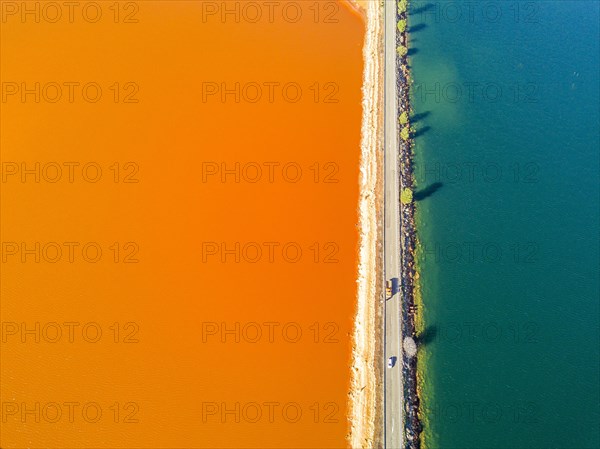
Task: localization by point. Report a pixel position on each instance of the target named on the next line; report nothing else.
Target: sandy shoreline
(365, 399)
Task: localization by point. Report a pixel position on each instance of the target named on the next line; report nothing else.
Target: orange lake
(179, 208)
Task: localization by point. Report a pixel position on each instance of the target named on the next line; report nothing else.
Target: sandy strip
(365, 396)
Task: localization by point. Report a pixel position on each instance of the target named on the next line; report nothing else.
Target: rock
(410, 347)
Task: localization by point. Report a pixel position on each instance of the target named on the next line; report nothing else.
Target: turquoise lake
(506, 106)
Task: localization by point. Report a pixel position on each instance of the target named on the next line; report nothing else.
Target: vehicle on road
(392, 361)
(389, 289)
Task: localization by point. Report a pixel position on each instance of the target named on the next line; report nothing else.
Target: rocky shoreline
(408, 237)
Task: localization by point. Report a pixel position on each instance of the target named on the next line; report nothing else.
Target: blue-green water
(507, 165)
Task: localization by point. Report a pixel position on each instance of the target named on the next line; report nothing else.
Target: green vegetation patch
(405, 133)
(402, 6)
(406, 196)
(403, 118)
(402, 25)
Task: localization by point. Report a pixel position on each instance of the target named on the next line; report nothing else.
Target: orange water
(165, 372)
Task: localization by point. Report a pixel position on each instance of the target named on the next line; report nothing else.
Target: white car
(392, 361)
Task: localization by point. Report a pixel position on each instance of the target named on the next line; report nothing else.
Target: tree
(405, 133)
(403, 118)
(402, 25)
(406, 196)
(402, 50)
(402, 6)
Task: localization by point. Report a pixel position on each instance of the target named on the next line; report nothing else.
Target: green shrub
(403, 118)
(406, 196)
(402, 50)
(402, 25)
(405, 133)
(402, 6)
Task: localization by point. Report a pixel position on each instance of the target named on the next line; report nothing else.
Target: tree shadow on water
(420, 195)
(412, 51)
(427, 336)
(420, 116)
(419, 132)
(421, 9)
(417, 27)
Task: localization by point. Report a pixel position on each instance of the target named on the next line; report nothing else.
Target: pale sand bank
(366, 392)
